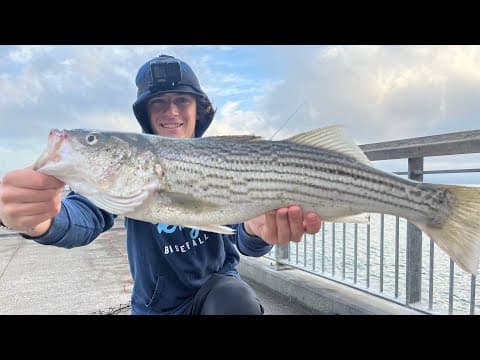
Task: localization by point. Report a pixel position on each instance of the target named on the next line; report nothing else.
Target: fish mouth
(52, 153)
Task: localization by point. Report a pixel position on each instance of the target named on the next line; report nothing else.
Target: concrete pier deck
(94, 279)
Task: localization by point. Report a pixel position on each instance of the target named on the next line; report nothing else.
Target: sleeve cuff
(57, 230)
(251, 245)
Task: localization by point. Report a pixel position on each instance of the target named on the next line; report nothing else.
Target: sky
(379, 93)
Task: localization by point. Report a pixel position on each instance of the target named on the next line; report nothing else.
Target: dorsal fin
(332, 138)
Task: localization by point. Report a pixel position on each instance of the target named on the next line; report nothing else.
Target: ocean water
(328, 257)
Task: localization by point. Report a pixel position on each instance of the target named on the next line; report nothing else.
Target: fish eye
(91, 139)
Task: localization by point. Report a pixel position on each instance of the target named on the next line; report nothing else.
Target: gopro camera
(165, 74)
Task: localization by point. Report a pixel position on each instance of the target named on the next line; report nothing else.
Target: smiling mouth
(171, 126)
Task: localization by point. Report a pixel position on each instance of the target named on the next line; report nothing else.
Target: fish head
(92, 161)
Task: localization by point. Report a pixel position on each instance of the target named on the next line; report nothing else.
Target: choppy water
(328, 250)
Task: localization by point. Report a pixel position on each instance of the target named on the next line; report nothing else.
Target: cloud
(24, 89)
(108, 121)
(380, 92)
(26, 53)
(230, 119)
(63, 86)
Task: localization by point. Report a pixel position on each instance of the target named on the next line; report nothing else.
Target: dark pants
(225, 295)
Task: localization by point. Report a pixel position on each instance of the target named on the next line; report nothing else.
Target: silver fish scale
(253, 173)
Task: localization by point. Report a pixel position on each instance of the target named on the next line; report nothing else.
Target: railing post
(281, 257)
(414, 243)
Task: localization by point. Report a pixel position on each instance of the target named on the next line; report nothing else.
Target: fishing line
(286, 121)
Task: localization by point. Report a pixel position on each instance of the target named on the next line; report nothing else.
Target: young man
(175, 270)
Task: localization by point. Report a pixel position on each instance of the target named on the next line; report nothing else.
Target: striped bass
(209, 182)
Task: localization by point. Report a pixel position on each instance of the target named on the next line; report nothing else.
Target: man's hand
(29, 200)
(283, 225)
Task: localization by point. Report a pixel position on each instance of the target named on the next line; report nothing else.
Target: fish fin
(116, 204)
(362, 218)
(332, 138)
(339, 216)
(188, 201)
(459, 235)
(234, 137)
(213, 228)
(121, 205)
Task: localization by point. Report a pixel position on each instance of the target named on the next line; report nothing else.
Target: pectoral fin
(121, 205)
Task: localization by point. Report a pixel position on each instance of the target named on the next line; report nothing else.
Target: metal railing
(406, 291)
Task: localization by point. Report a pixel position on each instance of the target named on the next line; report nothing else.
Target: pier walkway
(93, 279)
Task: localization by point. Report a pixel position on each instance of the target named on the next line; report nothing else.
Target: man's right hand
(29, 200)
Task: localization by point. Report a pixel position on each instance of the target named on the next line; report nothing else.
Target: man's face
(173, 114)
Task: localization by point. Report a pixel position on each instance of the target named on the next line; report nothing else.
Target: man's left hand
(283, 225)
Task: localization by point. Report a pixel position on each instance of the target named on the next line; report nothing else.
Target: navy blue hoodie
(168, 263)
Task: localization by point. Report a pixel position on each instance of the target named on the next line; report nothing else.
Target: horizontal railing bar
(440, 171)
(464, 142)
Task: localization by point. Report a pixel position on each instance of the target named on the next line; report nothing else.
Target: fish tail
(459, 236)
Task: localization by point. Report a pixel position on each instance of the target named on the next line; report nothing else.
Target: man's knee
(232, 297)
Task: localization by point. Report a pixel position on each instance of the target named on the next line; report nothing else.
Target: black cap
(151, 84)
